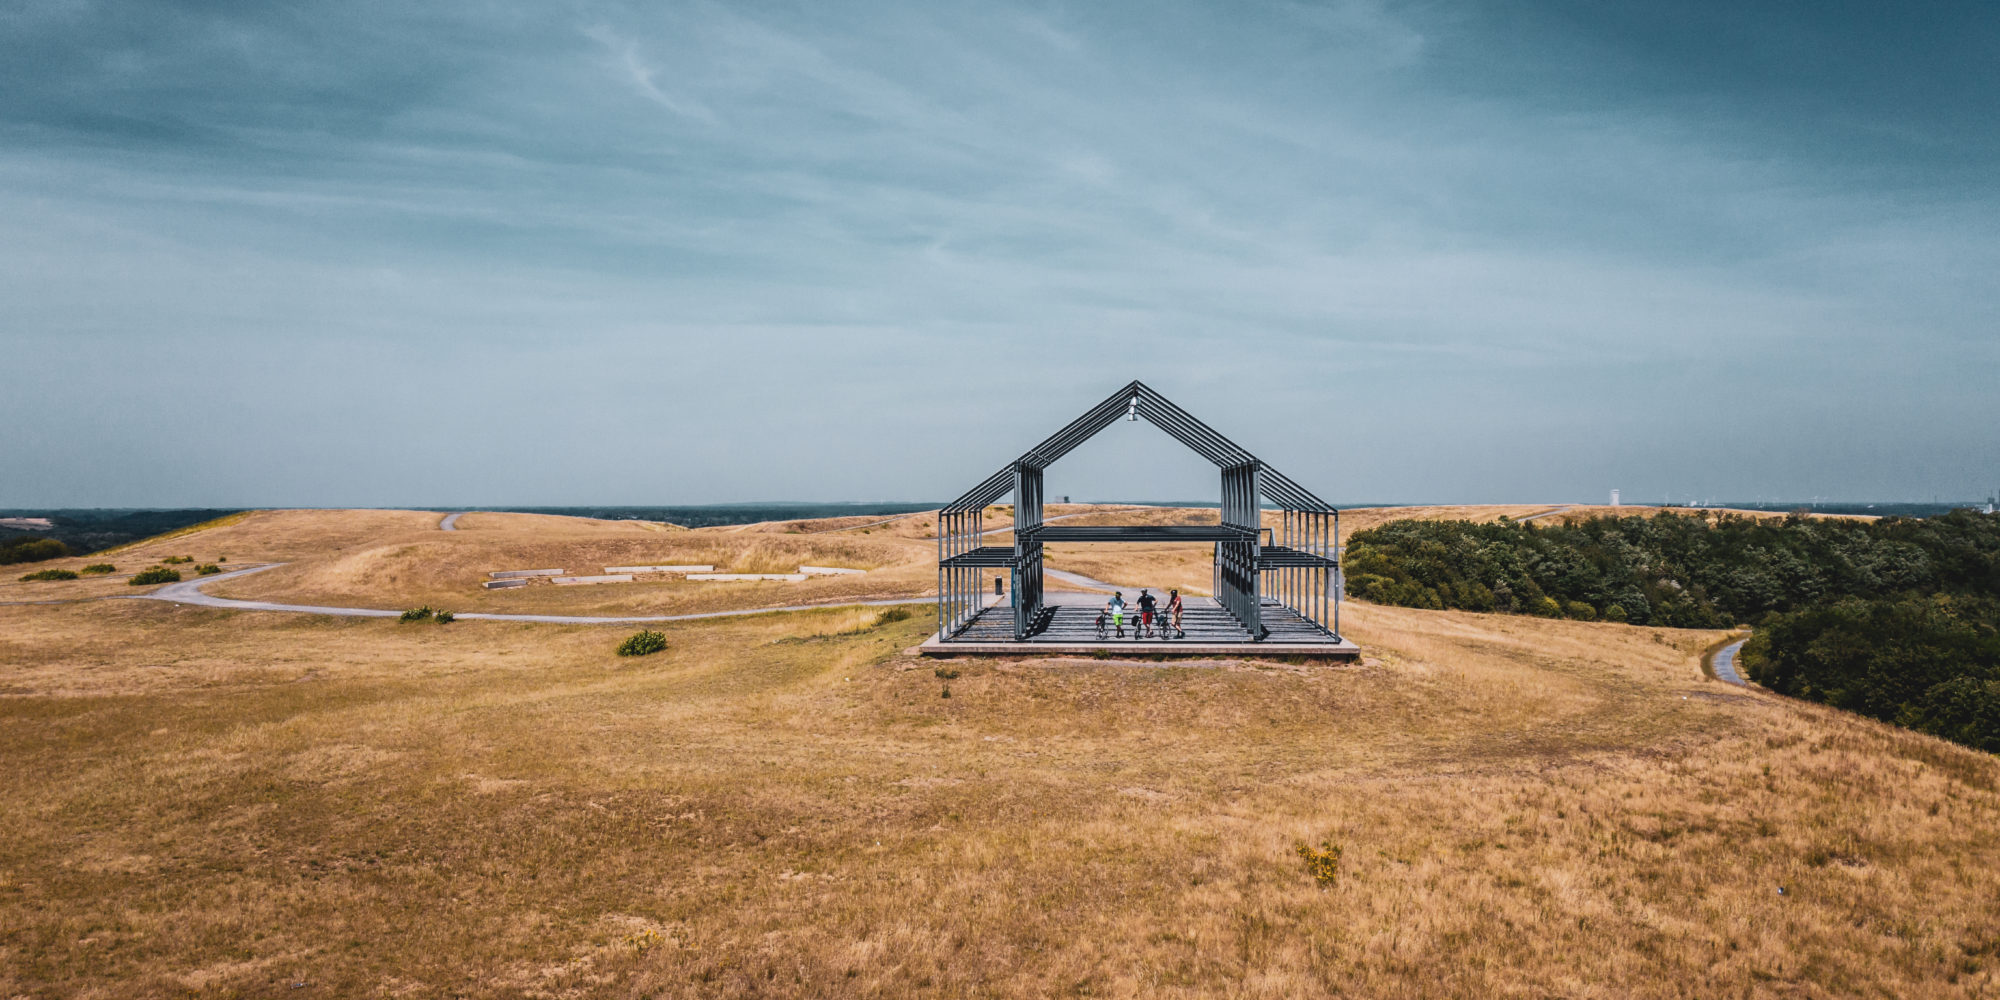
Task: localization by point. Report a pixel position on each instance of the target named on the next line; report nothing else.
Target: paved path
(870, 524)
(450, 522)
(1725, 664)
(1547, 513)
(189, 592)
(1047, 520)
(1083, 581)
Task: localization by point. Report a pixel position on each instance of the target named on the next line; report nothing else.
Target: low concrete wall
(518, 574)
(572, 581)
(659, 569)
(787, 577)
(829, 571)
(505, 584)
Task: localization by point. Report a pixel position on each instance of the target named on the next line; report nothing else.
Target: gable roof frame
(1137, 398)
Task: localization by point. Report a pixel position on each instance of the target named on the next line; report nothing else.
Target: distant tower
(1614, 498)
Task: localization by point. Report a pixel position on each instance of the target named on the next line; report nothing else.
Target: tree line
(1894, 618)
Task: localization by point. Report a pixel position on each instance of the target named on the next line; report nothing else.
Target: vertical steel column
(1252, 515)
(940, 588)
(1028, 486)
(1339, 585)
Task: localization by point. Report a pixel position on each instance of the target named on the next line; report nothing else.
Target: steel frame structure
(1296, 564)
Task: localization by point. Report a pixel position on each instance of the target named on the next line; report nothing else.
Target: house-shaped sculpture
(1276, 585)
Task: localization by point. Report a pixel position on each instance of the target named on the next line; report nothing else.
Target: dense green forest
(1894, 618)
(81, 532)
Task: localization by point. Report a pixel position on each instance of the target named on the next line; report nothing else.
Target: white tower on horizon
(1614, 498)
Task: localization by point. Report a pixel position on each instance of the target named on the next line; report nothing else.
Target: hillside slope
(227, 802)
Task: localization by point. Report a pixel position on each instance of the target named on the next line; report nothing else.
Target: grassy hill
(217, 803)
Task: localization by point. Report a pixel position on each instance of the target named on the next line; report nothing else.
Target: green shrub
(32, 550)
(1545, 607)
(207, 569)
(1614, 613)
(95, 568)
(1580, 611)
(155, 574)
(945, 674)
(1323, 862)
(177, 560)
(50, 574)
(422, 614)
(444, 617)
(643, 643)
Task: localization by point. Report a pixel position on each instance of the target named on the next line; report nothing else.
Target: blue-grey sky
(467, 252)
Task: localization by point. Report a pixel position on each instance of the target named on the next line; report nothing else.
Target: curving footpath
(189, 592)
(1725, 664)
(450, 522)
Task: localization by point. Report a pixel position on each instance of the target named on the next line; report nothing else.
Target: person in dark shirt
(1146, 604)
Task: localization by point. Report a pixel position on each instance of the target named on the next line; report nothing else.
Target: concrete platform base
(1206, 631)
(1146, 647)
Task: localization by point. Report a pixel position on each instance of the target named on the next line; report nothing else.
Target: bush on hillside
(177, 560)
(50, 574)
(422, 614)
(96, 568)
(444, 617)
(23, 550)
(155, 574)
(207, 569)
(1322, 862)
(643, 643)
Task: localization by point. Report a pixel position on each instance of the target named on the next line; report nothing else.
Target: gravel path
(189, 592)
(1725, 664)
(1547, 513)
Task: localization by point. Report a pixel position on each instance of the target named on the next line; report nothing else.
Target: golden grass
(153, 541)
(215, 803)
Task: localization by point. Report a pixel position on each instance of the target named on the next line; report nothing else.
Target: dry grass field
(208, 803)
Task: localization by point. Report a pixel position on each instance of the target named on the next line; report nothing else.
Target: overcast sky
(470, 252)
